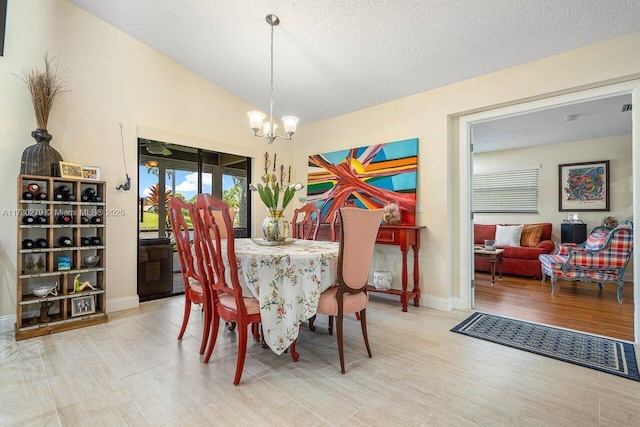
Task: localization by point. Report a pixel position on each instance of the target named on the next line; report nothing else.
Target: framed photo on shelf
(90, 172)
(64, 263)
(70, 170)
(83, 305)
(584, 186)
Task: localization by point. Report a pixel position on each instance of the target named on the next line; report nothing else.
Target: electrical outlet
(419, 207)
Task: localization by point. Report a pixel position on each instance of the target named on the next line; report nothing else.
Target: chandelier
(256, 117)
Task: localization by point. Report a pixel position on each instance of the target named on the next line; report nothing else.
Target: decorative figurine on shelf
(79, 287)
(609, 222)
(391, 214)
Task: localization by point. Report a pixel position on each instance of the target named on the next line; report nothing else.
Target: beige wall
(111, 79)
(115, 79)
(616, 150)
(433, 118)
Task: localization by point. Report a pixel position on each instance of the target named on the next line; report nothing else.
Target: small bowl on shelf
(43, 291)
(91, 261)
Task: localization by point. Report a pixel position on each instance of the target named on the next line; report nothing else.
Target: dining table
(287, 280)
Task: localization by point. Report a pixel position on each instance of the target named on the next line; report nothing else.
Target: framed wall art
(90, 172)
(369, 177)
(584, 186)
(70, 170)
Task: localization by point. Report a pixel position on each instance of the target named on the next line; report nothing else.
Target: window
(506, 191)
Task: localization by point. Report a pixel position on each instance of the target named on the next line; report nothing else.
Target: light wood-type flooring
(133, 371)
(576, 305)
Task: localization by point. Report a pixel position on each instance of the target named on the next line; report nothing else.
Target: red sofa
(517, 260)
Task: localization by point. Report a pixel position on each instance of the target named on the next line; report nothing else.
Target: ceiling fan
(155, 147)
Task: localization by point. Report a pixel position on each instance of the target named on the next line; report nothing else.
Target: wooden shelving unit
(44, 266)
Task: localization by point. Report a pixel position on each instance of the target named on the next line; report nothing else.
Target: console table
(404, 236)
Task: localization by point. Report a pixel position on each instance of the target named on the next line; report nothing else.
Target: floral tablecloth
(287, 281)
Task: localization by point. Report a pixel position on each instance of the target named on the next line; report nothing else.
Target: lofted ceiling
(333, 56)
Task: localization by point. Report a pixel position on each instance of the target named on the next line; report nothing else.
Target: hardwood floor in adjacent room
(577, 306)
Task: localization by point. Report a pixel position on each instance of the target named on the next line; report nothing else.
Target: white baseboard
(442, 304)
(7, 323)
(125, 303)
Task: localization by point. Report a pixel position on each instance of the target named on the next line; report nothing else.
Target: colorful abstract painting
(367, 177)
(584, 186)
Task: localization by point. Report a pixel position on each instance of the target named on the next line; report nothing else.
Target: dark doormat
(602, 354)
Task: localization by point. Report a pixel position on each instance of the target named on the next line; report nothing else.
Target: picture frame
(81, 306)
(90, 172)
(70, 170)
(584, 186)
(64, 263)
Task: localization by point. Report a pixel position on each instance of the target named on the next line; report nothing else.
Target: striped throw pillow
(531, 234)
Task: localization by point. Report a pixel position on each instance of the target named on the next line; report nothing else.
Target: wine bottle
(27, 196)
(96, 220)
(90, 192)
(84, 220)
(71, 197)
(65, 241)
(42, 219)
(84, 198)
(85, 241)
(64, 219)
(95, 241)
(27, 244)
(96, 199)
(28, 220)
(41, 196)
(41, 243)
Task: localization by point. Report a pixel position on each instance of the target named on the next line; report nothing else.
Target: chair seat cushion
(252, 305)
(328, 304)
(551, 262)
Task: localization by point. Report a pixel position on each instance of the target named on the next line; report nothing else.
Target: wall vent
(626, 107)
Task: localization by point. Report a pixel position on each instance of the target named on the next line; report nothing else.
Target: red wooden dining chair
(357, 240)
(195, 289)
(311, 221)
(225, 289)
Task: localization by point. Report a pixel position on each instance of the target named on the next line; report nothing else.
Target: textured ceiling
(334, 56)
(595, 119)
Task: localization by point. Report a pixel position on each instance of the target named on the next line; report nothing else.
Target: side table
(495, 256)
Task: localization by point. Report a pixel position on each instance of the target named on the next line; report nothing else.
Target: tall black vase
(41, 158)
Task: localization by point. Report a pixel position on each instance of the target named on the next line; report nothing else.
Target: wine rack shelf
(61, 226)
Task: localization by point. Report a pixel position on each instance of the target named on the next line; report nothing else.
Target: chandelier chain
(271, 99)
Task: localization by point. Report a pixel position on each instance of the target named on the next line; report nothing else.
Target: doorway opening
(621, 147)
(170, 170)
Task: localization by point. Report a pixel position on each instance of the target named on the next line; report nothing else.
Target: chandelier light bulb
(290, 123)
(255, 119)
(267, 128)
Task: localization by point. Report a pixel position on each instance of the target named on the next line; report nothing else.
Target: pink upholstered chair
(311, 221)
(195, 289)
(357, 240)
(224, 287)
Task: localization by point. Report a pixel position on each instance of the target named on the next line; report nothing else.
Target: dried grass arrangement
(45, 87)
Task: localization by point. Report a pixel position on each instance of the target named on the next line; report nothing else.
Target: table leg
(493, 270)
(500, 260)
(403, 295)
(416, 278)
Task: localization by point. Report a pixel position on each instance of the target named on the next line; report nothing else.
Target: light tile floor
(133, 371)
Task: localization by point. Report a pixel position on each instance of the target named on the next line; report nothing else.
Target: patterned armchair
(602, 258)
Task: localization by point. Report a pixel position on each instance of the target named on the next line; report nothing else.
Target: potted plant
(44, 86)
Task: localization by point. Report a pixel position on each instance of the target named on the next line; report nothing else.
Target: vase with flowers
(276, 196)
(44, 86)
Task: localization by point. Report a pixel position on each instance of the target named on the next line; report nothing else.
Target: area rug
(602, 354)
